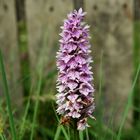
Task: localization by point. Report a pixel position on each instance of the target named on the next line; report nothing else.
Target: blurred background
(29, 33)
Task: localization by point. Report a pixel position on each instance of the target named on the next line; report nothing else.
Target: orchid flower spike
(75, 98)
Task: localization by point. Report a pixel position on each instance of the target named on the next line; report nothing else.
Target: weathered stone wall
(111, 31)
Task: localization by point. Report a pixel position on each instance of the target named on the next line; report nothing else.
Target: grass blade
(129, 103)
(22, 130)
(36, 107)
(8, 100)
(57, 134)
(2, 137)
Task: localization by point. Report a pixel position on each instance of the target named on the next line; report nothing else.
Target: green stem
(8, 101)
(87, 136)
(75, 132)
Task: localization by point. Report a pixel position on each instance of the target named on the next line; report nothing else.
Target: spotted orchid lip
(75, 98)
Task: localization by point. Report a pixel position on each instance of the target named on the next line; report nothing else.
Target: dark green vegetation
(136, 58)
(38, 119)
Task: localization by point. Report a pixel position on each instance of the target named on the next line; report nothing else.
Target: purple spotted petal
(72, 97)
(82, 124)
(72, 84)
